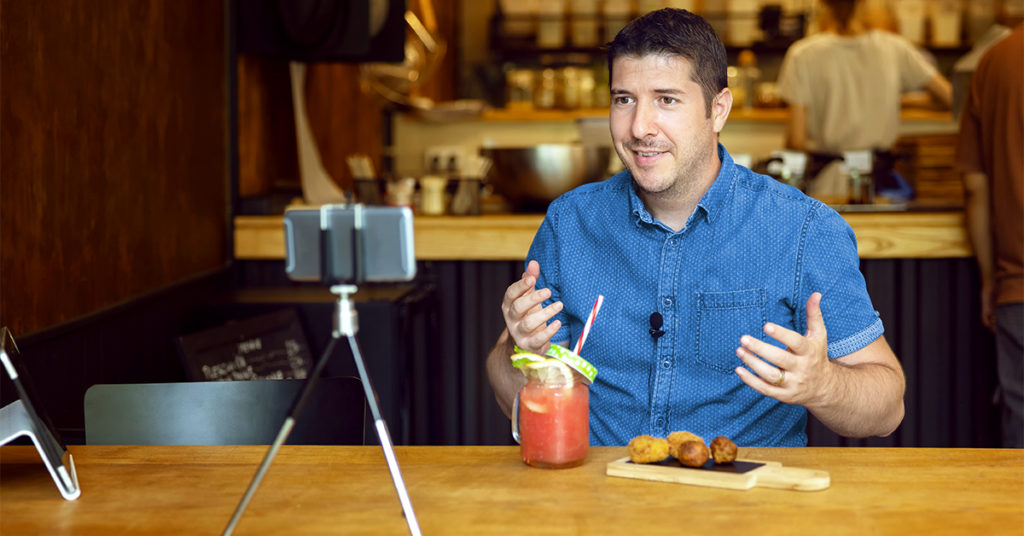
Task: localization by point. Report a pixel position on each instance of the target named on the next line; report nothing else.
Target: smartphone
(349, 243)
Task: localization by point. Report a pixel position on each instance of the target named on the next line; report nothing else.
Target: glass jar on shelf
(519, 84)
(571, 87)
(602, 98)
(546, 95)
(587, 82)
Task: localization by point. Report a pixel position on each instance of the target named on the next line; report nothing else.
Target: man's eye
(622, 100)
(669, 100)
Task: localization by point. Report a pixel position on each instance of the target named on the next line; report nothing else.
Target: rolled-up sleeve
(830, 265)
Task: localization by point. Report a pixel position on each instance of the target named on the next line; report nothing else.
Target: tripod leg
(282, 435)
(346, 325)
(385, 440)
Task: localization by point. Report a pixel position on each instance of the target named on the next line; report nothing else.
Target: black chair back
(223, 413)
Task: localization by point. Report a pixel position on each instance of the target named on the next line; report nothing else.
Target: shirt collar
(710, 204)
(713, 200)
(637, 207)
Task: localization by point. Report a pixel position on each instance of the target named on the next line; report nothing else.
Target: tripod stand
(345, 325)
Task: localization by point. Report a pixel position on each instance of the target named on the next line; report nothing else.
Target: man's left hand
(800, 373)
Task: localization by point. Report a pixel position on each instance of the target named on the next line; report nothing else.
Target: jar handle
(515, 419)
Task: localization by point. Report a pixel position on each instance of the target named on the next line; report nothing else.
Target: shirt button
(666, 364)
(667, 301)
(659, 422)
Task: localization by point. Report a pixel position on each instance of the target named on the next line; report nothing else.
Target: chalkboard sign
(268, 347)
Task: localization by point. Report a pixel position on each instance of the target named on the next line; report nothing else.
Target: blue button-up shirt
(753, 251)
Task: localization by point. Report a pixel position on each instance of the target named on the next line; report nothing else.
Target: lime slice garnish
(550, 371)
(587, 371)
(534, 406)
(519, 359)
(577, 363)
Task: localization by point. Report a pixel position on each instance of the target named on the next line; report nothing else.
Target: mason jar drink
(554, 426)
(551, 416)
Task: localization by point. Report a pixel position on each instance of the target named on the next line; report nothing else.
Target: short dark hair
(681, 33)
(842, 10)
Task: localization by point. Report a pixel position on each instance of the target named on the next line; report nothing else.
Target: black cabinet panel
(929, 308)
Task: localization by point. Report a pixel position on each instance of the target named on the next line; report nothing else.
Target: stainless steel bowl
(531, 177)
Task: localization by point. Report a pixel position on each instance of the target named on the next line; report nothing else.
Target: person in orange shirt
(990, 156)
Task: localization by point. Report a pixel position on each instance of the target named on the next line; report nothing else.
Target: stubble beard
(675, 187)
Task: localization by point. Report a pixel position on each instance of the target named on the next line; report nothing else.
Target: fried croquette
(693, 453)
(723, 450)
(678, 438)
(647, 449)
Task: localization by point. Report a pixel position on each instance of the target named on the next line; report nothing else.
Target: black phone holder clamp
(357, 253)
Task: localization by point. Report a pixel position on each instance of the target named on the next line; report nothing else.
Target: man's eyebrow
(666, 91)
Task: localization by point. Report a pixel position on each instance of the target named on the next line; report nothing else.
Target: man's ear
(720, 109)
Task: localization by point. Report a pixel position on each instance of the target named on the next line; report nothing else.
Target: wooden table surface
(488, 490)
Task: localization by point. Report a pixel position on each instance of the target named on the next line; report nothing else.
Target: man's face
(659, 124)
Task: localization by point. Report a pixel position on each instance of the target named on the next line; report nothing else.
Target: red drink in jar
(551, 415)
(554, 423)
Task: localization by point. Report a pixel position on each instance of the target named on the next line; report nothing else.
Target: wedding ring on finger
(782, 378)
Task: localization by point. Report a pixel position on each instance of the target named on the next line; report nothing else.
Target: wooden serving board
(742, 474)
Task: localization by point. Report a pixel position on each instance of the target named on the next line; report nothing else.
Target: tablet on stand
(20, 418)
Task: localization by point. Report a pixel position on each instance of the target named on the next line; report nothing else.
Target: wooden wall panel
(267, 155)
(113, 142)
(344, 120)
(345, 117)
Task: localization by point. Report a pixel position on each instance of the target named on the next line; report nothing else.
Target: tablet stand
(15, 422)
(345, 325)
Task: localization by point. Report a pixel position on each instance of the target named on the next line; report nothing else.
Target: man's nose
(644, 122)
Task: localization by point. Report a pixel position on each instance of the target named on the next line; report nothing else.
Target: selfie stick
(346, 325)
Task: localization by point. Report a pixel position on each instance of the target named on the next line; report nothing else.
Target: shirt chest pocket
(722, 317)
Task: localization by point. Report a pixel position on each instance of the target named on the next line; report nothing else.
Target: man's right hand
(525, 317)
(988, 301)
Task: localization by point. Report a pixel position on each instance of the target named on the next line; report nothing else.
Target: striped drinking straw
(590, 322)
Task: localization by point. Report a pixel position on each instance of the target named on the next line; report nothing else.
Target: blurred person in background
(1007, 17)
(882, 15)
(990, 156)
(844, 87)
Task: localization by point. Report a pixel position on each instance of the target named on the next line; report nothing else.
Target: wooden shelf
(880, 235)
(767, 115)
(537, 115)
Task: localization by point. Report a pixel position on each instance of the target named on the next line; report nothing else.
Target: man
(990, 155)
(736, 264)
